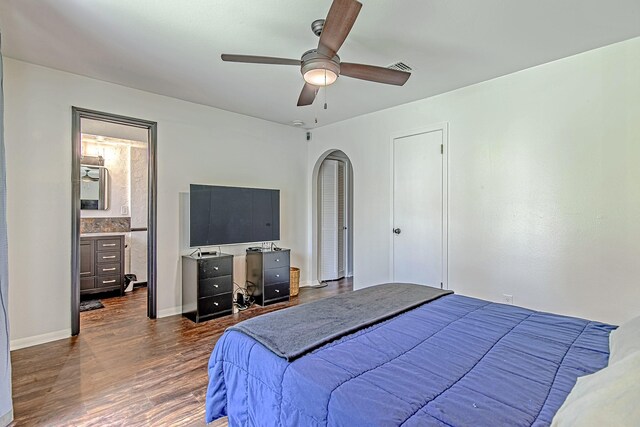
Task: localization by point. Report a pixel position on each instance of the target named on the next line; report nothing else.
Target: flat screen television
(227, 215)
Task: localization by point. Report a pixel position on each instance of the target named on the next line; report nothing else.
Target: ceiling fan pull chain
(325, 88)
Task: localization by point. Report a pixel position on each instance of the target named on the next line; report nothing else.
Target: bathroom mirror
(94, 187)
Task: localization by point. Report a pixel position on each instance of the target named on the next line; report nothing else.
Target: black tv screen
(225, 215)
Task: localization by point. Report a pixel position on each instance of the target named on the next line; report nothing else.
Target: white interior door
(418, 209)
(328, 203)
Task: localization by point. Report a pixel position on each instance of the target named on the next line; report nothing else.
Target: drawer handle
(215, 286)
(109, 257)
(85, 272)
(216, 268)
(104, 282)
(109, 269)
(277, 275)
(108, 244)
(216, 304)
(277, 260)
(278, 290)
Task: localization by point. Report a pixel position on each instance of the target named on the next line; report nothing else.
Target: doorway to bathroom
(113, 215)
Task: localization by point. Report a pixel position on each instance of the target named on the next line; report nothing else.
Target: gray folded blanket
(294, 331)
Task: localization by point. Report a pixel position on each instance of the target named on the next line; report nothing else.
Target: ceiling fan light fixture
(320, 77)
(318, 70)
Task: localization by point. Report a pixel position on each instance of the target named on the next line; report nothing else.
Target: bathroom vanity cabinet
(101, 264)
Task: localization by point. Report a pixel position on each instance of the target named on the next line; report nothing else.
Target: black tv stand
(207, 286)
(268, 275)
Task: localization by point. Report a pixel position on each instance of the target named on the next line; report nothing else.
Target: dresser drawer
(215, 286)
(107, 257)
(276, 275)
(108, 244)
(108, 281)
(87, 283)
(279, 290)
(111, 269)
(215, 267)
(214, 305)
(276, 259)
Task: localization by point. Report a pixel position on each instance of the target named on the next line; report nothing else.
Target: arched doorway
(332, 238)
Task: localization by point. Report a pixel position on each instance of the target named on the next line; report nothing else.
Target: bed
(454, 361)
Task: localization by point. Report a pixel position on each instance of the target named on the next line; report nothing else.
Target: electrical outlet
(508, 298)
(124, 210)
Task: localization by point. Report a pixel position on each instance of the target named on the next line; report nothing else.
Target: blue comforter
(457, 361)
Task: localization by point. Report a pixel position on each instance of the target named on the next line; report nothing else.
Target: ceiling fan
(322, 66)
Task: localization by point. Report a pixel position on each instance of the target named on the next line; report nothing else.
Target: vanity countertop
(115, 233)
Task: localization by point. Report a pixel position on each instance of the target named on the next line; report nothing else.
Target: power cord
(248, 300)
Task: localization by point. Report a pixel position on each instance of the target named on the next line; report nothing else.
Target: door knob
(397, 230)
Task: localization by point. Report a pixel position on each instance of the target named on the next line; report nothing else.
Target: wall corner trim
(171, 311)
(39, 339)
(6, 419)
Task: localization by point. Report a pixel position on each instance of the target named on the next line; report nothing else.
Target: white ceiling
(173, 47)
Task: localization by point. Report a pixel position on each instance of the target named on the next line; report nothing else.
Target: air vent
(400, 66)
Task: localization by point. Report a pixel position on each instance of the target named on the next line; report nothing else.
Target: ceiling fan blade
(252, 59)
(308, 95)
(374, 74)
(340, 19)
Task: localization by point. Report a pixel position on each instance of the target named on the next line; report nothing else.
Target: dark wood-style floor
(124, 369)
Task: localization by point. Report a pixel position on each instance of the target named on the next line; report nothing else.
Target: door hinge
(441, 285)
(441, 148)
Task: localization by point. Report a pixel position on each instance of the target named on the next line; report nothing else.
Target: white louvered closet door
(342, 253)
(328, 220)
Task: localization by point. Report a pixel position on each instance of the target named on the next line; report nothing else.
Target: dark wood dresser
(268, 275)
(207, 286)
(101, 264)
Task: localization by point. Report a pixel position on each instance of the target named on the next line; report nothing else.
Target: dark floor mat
(93, 304)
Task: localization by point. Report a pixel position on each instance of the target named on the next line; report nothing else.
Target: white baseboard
(307, 284)
(39, 339)
(6, 419)
(171, 311)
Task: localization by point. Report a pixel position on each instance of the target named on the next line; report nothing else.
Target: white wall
(196, 144)
(139, 211)
(544, 171)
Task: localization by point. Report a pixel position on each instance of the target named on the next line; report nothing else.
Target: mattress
(456, 361)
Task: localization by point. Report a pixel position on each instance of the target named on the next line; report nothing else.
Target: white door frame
(444, 127)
